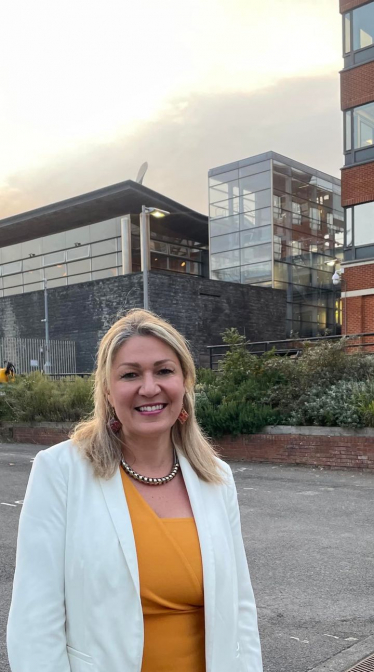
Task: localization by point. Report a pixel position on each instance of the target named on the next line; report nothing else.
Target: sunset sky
(90, 89)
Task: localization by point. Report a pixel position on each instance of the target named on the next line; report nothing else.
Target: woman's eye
(164, 372)
(128, 375)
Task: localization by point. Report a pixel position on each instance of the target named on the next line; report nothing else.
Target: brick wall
(359, 310)
(357, 85)
(345, 5)
(339, 452)
(358, 184)
(200, 308)
(360, 276)
(331, 448)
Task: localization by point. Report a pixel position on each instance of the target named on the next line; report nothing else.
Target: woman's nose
(149, 386)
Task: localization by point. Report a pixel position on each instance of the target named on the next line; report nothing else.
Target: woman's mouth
(150, 409)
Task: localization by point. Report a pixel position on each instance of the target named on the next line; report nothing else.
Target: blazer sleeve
(36, 625)
(249, 648)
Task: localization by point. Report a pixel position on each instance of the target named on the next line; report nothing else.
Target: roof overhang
(114, 201)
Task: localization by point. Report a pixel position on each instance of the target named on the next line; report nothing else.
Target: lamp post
(144, 246)
(337, 279)
(47, 363)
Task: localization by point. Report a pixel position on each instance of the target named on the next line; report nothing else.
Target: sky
(90, 89)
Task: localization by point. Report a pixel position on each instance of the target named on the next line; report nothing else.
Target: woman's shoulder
(65, 454)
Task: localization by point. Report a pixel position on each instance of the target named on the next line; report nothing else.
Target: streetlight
(47, 363)
(144, 245)
(337, 279)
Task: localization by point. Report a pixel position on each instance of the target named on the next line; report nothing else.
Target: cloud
(298, 117)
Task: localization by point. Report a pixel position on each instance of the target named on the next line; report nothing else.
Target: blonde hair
(93, 436)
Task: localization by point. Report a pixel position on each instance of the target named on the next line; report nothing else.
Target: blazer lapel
(195, 489)
(119, 512)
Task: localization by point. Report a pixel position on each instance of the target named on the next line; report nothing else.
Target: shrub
(36, 397)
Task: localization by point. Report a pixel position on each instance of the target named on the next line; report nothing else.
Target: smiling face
(146, 387)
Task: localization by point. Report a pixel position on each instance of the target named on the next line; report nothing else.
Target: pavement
(308, 534)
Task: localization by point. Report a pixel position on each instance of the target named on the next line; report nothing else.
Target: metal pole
(126, 244)
(144, 252)
(47, 363)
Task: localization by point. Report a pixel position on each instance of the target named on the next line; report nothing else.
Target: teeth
(151, 408)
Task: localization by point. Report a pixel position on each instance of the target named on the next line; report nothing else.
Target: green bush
(36, 398)
(323, 386)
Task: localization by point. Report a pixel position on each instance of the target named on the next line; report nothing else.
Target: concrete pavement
(309, 540)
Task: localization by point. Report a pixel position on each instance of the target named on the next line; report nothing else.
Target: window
(222, 190)
(15, 267)
(363, 26)
(347, 131)
(106, 261)
(225, 208)
(226, 225)
(78, 252)
(254, 236)
(348, 227)
(83, 266)
(364, 224)
(363, 126)
(347, 33)
(225, 259)
(256, 253)
(222, 243)
(255, 218)
(256, 273)
(227, 275)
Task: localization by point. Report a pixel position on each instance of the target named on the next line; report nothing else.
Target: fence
(293, 346)
(28, 354)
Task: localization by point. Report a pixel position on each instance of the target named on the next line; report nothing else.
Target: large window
(360, 225)
(358, 28)
(363, 26)
(360, 121)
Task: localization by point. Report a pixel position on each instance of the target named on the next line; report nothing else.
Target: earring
(183, 416)
(114, 424)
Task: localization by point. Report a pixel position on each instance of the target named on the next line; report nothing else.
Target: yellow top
(171, 587)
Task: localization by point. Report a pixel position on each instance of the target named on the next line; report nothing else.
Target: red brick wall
(341, 452)
(353, 452)
(358, 184)
(345, 5)
(359, 310)
(357, 85)
(45, 436)
(358, 277)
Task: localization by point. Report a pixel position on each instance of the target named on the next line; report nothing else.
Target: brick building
(357, 103)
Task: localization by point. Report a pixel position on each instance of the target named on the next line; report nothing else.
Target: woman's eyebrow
(135, 365)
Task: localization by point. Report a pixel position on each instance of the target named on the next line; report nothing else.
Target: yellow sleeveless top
(171, 587)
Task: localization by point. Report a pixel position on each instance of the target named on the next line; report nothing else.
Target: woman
(130, 556)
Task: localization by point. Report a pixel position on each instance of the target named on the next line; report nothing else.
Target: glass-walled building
(102, 249)
(278, 223)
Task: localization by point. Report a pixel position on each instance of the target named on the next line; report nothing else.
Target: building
(357, 103)
(274, 222)
(87, 249)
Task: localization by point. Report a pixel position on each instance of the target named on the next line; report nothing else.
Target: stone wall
(200, 308)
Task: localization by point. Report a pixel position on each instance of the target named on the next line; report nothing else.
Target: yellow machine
(7, 373)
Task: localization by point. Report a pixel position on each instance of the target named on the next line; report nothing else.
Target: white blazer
(76, 603)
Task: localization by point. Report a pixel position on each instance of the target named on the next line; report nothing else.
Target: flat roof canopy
(114, 201)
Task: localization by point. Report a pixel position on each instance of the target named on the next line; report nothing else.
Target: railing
(29, 354)
(288, 346)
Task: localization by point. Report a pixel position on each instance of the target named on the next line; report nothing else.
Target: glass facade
(279, 225)
(88, 253)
